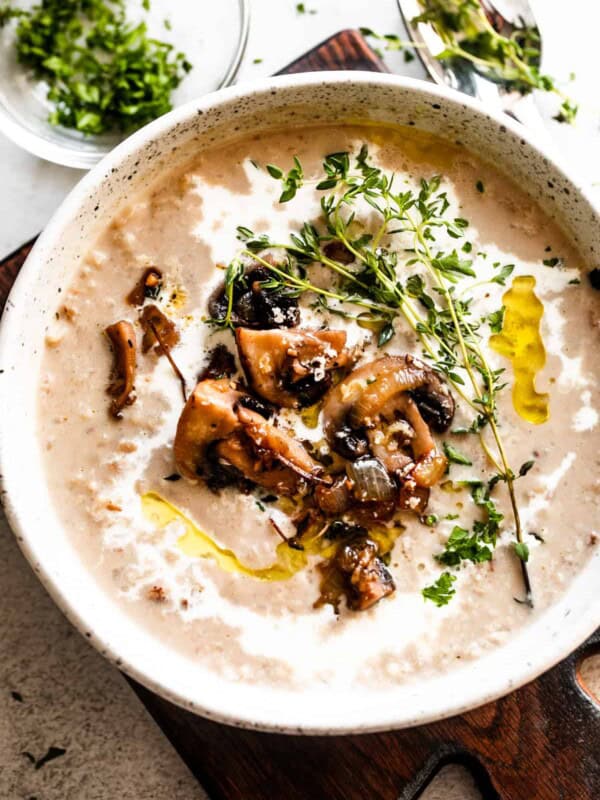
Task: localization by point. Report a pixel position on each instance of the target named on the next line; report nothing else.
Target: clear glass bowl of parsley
(78, 76)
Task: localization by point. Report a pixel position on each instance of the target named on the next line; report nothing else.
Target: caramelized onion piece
(121, 388)
(371, 481)
(291, 367)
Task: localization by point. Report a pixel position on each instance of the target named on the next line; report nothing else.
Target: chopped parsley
(442, 591)
(103, 72)
(480, 187)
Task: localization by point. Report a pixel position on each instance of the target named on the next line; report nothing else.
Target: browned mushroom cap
(121, 388)
(382, 391)
(214, 414)
(291, 367)
(393, 376)
(208, 416)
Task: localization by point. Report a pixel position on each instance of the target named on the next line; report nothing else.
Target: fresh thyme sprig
(397, 235)
(467, 34)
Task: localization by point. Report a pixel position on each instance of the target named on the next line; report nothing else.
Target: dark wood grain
(345, 50)
(538, 743)
(9, 269)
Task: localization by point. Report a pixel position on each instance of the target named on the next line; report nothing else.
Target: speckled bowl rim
(462, 695)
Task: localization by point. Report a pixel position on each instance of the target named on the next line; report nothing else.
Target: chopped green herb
(480, 187)
(505, 272)
(496, 320)
(431, 520)
(455, 456)
(442, 591)
(574, 282)
(257, 61)
(567, 112)
(103, 72)
(290, 182)
(521, 550)
(552, 262)
(261, 507)
(469, 35)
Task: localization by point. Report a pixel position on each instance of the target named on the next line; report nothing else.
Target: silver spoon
(507, 16)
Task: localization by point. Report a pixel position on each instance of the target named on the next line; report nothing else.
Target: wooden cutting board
(541, 742)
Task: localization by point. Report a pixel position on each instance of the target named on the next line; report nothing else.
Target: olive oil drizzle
(195, 543)
(521, 342)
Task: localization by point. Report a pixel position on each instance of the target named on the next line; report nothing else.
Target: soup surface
(235, 549)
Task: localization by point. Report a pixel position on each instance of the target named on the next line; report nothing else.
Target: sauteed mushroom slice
(261, 468)
(148, 286)
(368, 580)
(273, 441)
(122, 338)
(380, 392)
(291, 367)
(391, 378)
(357, 572)
(215, 417)
(158, 329)
(209, 415)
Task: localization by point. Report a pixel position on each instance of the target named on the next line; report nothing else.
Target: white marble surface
(71, 698)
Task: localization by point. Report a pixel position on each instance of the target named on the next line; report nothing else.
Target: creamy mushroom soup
(322, 407)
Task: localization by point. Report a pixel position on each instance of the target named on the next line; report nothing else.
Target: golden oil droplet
(521, 342)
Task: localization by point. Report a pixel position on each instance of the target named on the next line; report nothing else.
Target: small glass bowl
(213, 36)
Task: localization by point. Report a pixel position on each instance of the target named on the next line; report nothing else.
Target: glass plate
(213, 36)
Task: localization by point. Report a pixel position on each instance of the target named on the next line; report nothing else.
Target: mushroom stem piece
(121, 388)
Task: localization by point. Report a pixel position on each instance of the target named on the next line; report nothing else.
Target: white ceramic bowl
(128, 169)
